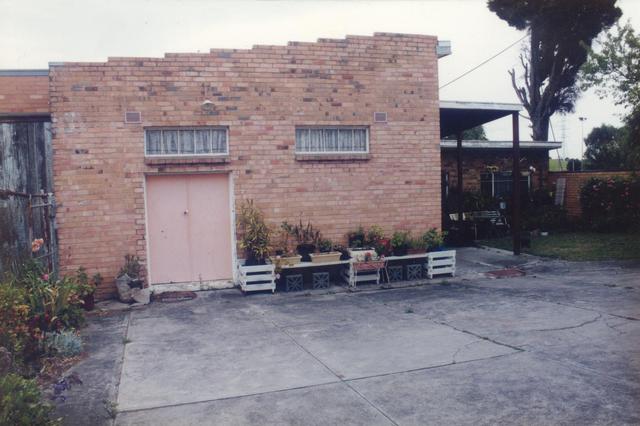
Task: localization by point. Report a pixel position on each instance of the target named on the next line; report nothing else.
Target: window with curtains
(332, 140)
(186, 141)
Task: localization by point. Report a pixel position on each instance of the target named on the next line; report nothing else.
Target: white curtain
(219, 141)
(186, 142)
(169, 141)
(154, 142)
(203, 141)
(360, 140)
(331, 140)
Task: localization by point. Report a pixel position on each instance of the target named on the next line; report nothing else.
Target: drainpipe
(460, 197)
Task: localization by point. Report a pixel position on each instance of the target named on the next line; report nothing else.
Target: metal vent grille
(380, 117)
(132, 117)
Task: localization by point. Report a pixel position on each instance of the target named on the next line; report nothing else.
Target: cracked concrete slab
(333, 404)
(521, 388)
(387, 343)
(168, 362)
(92, 402)
(559, 345)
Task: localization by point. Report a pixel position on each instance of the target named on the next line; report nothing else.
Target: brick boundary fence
(574, 182)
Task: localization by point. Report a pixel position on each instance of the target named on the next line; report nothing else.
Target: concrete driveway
(559, 345)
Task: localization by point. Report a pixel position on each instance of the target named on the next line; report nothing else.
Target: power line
(484, 62)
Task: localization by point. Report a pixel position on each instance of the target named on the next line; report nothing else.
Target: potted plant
(433, 239)
(306, 236)
(90, 289)
(254, 273)
(283, 255)
(375, 239)
(128, 278)
(344, 252)
(255, 234)
(358, 244)
(416, 246)
(356, 238)
(327, 254)
(400, 243)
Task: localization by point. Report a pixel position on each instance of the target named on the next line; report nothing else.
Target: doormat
(505, 273)
(174, 296)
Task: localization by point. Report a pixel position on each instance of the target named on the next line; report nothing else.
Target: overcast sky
(33, 33)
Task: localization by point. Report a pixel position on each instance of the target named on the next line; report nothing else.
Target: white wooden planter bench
(441, 262)
(256, 278)
(363, 272)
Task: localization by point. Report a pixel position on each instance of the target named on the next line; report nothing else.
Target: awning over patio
(478, 144)
(456, 116)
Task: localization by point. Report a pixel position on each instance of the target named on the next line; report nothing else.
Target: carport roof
(457, 116)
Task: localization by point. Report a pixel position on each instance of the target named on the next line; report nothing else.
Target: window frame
(334, 127)
(505, 177)
(185, 155)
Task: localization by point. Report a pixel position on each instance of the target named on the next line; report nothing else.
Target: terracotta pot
(332, 256)
(416, 251)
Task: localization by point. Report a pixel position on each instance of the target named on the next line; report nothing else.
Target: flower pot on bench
(285, 260)
(332, 256)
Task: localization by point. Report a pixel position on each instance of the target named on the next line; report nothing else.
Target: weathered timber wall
(25, 179)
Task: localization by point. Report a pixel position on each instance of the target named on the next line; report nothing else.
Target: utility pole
(515, 184)
(582, 120)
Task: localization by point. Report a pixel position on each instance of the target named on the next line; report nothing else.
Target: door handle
(186, 212)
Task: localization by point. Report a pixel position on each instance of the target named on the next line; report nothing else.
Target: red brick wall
(261, 95)
(574, 182)
(24, 94)
(476, 161)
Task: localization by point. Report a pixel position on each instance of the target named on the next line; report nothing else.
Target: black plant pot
(400, 251)
(89, 302)
(305, 250)
(251, 260)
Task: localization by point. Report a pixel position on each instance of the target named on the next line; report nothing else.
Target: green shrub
(54, 303)
(546, 217)
(17, 332)
(611, 204)
(34, 302)
(356, 239)
(433, 239)
(63, 343)
(400, 242)
(21, 403)
(374, 235)
(131, 267)
(325, 245)
(255, 232)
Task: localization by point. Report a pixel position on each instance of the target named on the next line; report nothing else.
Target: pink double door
(189, 228)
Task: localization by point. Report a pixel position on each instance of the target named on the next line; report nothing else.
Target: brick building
(151, 156)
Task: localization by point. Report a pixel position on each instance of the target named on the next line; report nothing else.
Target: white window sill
(338, 156)
(186, 159)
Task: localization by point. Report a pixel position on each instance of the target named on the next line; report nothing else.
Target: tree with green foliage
(560, 35)
(614, 71)
(606, 148)
(474, 134)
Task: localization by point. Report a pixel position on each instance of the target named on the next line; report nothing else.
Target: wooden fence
(27, 204)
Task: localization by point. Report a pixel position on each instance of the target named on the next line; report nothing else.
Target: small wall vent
(132, 117)
(380, 117)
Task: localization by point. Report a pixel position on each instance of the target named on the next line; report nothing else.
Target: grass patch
(579, 246)
(556, 165)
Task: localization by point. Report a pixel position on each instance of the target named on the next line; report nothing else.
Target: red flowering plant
(611, 204)
(34, 302)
